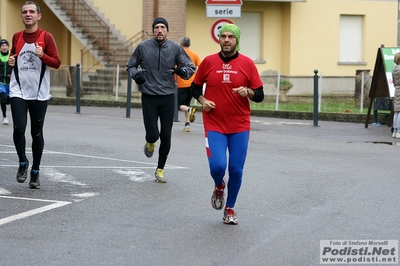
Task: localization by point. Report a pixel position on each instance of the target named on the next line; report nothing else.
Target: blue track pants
(217, 145)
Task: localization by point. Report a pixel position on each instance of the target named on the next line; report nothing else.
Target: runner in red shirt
(231, 80)
(34, 51)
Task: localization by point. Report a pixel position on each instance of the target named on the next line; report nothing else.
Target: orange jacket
(182, 83)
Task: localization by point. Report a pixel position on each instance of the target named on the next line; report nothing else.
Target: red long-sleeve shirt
(50, 53)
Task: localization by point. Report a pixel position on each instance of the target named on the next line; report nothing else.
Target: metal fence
(336, 94)
(100, 83)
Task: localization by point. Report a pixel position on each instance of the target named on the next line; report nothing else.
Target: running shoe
(186, 128)
(34, 182)
(229, 216)
(22, 174)
(192, 117)
(5, 121)
(218, 197)
(149, 149)
(160, 176)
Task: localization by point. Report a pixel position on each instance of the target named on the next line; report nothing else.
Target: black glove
(139, 79)
(179, 71)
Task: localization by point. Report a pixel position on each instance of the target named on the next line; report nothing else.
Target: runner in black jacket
(153, 65)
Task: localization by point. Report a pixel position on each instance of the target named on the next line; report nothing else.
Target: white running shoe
(230, 216)
(218, 197)
(5, 121)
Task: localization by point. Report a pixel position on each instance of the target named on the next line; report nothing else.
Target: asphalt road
(99, 204)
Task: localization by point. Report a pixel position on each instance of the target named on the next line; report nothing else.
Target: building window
(250, 38)
(350, 39)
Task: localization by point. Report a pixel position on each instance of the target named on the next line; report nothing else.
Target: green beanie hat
(234, 30)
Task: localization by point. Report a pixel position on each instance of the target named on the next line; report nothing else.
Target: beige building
(337, 37)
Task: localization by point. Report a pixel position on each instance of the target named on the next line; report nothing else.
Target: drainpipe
(156, 9)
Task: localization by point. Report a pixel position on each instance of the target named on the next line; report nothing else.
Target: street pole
(315, 117)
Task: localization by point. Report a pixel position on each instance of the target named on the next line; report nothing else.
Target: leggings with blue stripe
(217, 146)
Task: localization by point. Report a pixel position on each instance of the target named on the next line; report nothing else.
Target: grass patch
(327, 106)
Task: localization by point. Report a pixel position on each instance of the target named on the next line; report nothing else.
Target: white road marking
(86, 195)
(286, 123)
(4, 191)
(8, 146)
(92, 157)
(97, 167)
(61, 177)
(135, 175)
(95, 157)
(83, 196)
(55, 204)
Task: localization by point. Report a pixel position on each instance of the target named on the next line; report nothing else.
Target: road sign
(217, 25)
(224, 8)
(224, 2)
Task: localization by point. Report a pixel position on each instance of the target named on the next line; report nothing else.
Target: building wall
(296, 37)
(174, 11)
(125, 15)
(300, 37)
(49, 22)
(274, 31)
(10, 19)
(315, 34)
